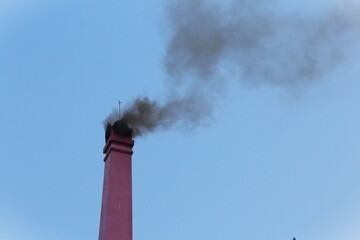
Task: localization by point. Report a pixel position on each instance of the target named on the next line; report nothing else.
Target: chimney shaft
(116, 208)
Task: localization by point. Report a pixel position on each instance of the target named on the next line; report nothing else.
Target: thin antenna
(119, 109)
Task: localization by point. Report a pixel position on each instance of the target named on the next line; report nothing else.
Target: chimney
(116, 208)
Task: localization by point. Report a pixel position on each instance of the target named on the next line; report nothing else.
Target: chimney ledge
(118, 144)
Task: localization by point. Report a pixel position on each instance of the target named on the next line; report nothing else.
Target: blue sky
(268, 165)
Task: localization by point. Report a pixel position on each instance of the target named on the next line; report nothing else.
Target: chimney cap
(120, 127)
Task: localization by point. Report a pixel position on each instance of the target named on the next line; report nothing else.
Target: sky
(269, 162)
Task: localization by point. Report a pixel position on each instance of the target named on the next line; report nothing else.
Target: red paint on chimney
(116, 209)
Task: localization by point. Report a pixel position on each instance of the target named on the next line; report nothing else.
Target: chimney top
(120, 127)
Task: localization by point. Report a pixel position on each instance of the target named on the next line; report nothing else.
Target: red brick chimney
(116, 209)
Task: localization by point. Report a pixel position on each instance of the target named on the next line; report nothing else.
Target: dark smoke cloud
(255, 42)
(145, 115)
(258, 41)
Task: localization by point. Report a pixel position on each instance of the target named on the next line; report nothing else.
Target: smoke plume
(254, 42)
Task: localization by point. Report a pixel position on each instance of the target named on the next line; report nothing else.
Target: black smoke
(254, 42)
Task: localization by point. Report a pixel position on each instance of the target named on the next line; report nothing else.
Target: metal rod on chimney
(119, 109)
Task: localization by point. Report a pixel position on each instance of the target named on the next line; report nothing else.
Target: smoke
(254, 42)
(145, 115)
(261, 43)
